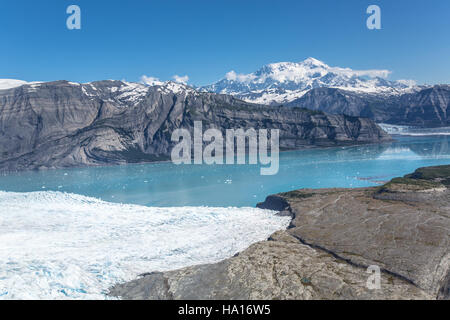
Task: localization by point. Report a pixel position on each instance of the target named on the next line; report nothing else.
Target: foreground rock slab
(403, 227)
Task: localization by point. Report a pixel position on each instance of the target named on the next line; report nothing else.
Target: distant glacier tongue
(65, 246)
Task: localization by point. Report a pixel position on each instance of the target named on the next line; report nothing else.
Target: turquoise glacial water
(168, 185)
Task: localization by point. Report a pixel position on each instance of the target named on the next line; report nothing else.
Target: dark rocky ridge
(403, 227)
(426, 108)
(63, 124)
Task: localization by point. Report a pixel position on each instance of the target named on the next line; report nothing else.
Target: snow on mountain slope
(10, 83)
(132, 93)
(276, 83)
(283, 82)
(119, 92)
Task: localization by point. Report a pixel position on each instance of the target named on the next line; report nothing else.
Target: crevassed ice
(414, 131)
(56, 245)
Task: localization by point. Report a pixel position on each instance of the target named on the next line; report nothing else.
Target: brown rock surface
(279, 269)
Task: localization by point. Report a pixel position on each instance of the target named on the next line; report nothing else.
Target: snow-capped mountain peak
(283, 82)
(275, 83)
(314, 62)
(132, 93)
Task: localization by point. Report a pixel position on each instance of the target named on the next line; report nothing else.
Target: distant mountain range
(310, 84)
(314, 85)
(63, 124)
(283, 82)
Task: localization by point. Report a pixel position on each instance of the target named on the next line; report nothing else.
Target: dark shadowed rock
(275, 203)
(428, 107)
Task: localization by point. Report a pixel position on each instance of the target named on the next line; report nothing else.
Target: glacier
(414, 131)
(66, 246)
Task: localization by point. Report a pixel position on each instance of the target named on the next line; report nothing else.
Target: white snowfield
(65, 246)
(11, 83)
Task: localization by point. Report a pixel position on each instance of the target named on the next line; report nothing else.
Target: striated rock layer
(63, 124)
(403, 227)
(428, 107)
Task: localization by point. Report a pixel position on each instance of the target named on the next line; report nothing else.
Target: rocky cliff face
(427, 108)
(62, 124)
(335, 234)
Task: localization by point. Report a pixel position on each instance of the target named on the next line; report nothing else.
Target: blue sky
(205, 39)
